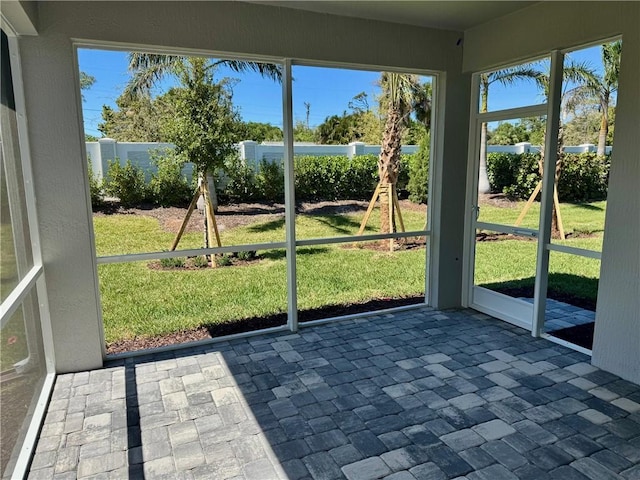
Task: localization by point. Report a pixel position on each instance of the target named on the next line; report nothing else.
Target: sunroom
(50, 266)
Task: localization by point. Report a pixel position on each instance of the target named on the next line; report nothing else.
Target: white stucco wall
(53, 110)
(617, 334)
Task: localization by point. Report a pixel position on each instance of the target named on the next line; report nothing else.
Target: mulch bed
(249, 324)
(581, 335)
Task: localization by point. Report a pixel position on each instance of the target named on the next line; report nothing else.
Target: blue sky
(327, 90)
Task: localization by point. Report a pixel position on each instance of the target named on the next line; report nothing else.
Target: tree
(611, 54)
(86, 82)
(260, 132)
(507, 76)
(398, 101)
(205, 125)
(307, 111)
(137, 119)
(370, 125)
(302, 133)
(508, 133)
(149, 68)
(402, 95)
(339, 129)
(575, 77)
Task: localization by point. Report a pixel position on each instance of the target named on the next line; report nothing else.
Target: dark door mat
(581, 335)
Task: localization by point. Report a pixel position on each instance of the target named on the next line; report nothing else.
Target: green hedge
(584, 176)
(317, 178)
(168, 185)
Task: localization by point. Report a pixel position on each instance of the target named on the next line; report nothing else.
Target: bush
(418, 184)
(200, 261)
(526, 175)
(270, 181)
(223, 260)
(335, 177)
(175, 262)
(317, 178)
(95, 188)
(168, 186)
(247, 255)
(241, 181)
(584, 176)
(126, 182)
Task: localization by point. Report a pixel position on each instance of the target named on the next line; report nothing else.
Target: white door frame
(518, 312)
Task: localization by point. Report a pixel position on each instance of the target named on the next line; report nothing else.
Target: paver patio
(419, 394)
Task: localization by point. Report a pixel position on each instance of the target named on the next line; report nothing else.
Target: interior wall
(558, 25)
(53, 110)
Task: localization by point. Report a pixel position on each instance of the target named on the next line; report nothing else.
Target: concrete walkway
(421, 394)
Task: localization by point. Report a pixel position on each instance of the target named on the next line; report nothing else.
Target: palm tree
(576, 76)
(398, 99)
(149, 68)
(507, 76)
(605, 86)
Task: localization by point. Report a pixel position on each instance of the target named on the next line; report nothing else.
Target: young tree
(204, 127)
(401, 95)
(398, 101)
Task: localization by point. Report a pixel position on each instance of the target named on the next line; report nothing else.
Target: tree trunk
(483, 177)
(604, 127)
(389, 165)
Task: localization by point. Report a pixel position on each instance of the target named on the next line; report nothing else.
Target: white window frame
(33, 281)
(291, 242)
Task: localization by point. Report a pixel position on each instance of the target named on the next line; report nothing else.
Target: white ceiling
(448, 15)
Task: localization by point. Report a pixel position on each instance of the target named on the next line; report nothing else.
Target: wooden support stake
(529, 203)
(192, 207)
(372, 205)
(556, 205)
(397, 204)
(385, 193)
(391, 214)
(212, 228)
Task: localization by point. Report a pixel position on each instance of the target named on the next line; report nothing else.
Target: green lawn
(138, 300)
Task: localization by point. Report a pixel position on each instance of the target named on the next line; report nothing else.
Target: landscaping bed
(248, 324)
(148, 304)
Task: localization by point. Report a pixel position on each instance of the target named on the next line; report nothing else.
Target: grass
(137, 300)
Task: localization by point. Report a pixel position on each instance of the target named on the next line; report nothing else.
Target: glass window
(22, 360)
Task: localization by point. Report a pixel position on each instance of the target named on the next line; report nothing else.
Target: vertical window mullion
(289, 198)
(548, 185)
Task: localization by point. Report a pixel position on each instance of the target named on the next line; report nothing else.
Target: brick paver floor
(420, 394)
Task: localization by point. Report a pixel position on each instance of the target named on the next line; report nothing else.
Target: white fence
(106, 149)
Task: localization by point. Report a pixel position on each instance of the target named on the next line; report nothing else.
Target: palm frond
(268, 70)
(611, 54)
(580, 73)
(509, 76)
(147, 69)
(398, 92)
